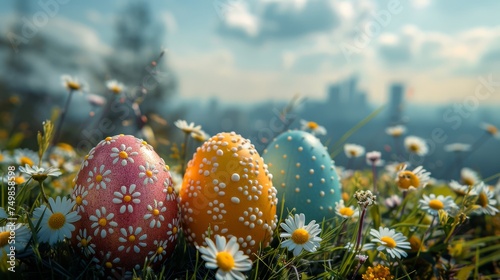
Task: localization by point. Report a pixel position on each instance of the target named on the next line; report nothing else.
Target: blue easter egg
(303, 174)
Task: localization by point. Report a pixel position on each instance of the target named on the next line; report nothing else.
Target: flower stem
(44, 196)
(63, 116)
(360, 229)
(374, 172)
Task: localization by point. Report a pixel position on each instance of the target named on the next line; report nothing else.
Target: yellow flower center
(65, 147)
(312, 125)
(468, 181)
(225, 261)
(98, 178)
(4, 238)
(389, 242)
(26, 160)
(149, 173)
(109, 265)
(131, 238)
(73, 85)
(483, 200)
(493, 130)
(167, 167)
(408, 179)
(127, 198)
(397, 133)
(353, 153)
(123, 155)
(116, 89)
(345, 196)
(300, 236)
(19, 180)
(1, 157)
(144, 143)
(414, 148)
(346, 211)
(174, 230)
(415, 243)
(79, 200)
(86, 157)
(159, 250)
(108, 138)
(156, 212)
(170, 190)
(103, 222)
(57, 221)
(84, 242)
(436, 204)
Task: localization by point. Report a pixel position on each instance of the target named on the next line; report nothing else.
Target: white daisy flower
(433, 204)
(40, 173)
(78, 195)
(408, 180)
(416, 145)
(72, 83)
(226, 258)
(56, 222)
(201, 135)
(115, 87)
(22, 236)
(469, 177)
(313, 127)
(102, 222)
(155, 214)
(457, 147)
(346, 212)
(133, 239)
(160, 251)
(353, 150)
(395, 131)
(374, 158)
(390, 241)
(85, 242)
(188, 128)
(169, 190)
(148, 171)
(299, 235)
(485, 204)
(25, 156)
(98, 178)
(18, 178)
(124, 154)
(126, 198)
(459, 188)
(491, 129)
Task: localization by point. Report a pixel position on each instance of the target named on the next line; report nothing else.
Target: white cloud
(420, 4)
(240, 17)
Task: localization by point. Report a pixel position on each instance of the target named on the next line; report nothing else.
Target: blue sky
(251, 51)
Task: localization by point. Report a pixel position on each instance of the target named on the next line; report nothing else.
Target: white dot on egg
(220, 152)
(321, 193)
(322, 167)
(283, 185)
(297, 190)
(311, 171)
(235, 200)
(284, 156)
(300, 149)
(235, 177)
(332, 190)
(321, 207)
(206, 173)
(308, 201)
(310, 185)
(297, 164)
(289, 138)
(276, 146)
(297, 176)
(313, 157)
(322, 180)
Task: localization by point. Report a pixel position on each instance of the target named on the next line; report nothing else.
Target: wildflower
(469, 177)
(5, 157)
(395, 131)
(392, 201)
(96, 100)
(416, 244)
(227, 257)
(433, 204)
(353, 150)
(18, 178)
(346, 212)
(491, 129)
(459, 188)
(393, 168)
(40, 173)
(188, 128)
(72, 83)
(201, 135)
(485, 203)
(25, 156)
(22, 236)
(56, 221)
(300, 236)
(389, 240)
(457, 147)
(378, 272)
(374, 158)
(313, 127)
(365, 198)
(115, 87)
(407, 180)
(416, 145)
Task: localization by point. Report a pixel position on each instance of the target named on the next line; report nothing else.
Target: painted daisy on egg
(132, 239)
(56, 222)
(78, 196)
(85, 242)
(485, 204)
(155, 214)
(107, 141)
(173, 230)
(103, 223)
(148, 172)
(225, 257)
(299, 235)
(385, 239)
(168, 189)
(88, 157)
(416, 145)
(99, 177)
(313, 127)
(127, 197)
(124, 154)
(432, 204)
(160, 252)
(407, 180)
